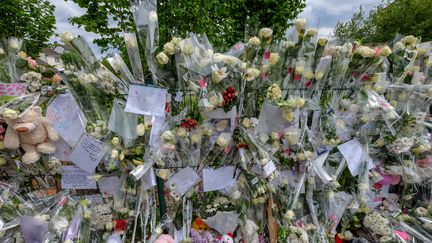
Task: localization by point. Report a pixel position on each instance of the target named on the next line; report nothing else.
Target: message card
(88, 153)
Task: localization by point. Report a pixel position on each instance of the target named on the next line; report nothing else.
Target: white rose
(10, 114)
(251, 74)
(288, 44)
(114, 154)
(153, 16)
(274, 58)
(308, 75)
(1, 51)
(141, 129)
(22, 55)
(365, 51)
(187, 49)
(196, 138)
(299, 102)
(385, 51)
(181, 132)
(167, 136)
(409, 40)
(66, 37)
(218, 57)
(219, 74)
(14, 43)
(246, 122)
(163, 173)
(223, 140)
(162, 58)
(311, 32)
(254, 41)
(115, 141)
(236, 195)
(176, 41)
(230, 60)
(169, 48)
(348, 235)
(300, 24)
(266, 32)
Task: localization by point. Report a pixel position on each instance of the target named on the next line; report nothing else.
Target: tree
(406, 17)
(31, 20)
(358, 28)
(222, 21)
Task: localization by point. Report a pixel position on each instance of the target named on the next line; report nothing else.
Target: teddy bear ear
(37, 109)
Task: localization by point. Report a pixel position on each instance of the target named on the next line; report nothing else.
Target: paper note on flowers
(355, 156)
(88, 153)
(183, 181)
(146, 100)
(67, 118)
(217, 179)
(12, 89)
(75, 178)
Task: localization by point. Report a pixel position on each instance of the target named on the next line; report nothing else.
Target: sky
(321, 14)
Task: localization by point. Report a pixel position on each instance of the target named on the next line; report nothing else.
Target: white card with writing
(75, 178)
(146, 100)
(217, 179)
(269, 168)
(88, 153)
(355, 156)
(148, 180)
(67, 118)
(183, 181)
(109, 185)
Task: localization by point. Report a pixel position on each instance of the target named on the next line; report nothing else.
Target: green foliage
(31, 20)
(405, 17)
(223, 21)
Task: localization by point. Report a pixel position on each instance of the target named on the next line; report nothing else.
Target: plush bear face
(28, 122)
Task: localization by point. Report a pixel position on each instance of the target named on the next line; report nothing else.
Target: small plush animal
(33, 132)
(226, 238)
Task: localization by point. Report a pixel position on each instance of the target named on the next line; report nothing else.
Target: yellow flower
(299, 67)
(308, 75)
(10, 114)
(274, 58)
(181, 132)
(254, 41)
(289, 115)
(311, 32)
(409, 40)
(196, 138)
(176, 41)
(22, 55)
(162, 58)
(319, 75)
(365, 51)
(299, 102)
(2, 161)
(246, 122)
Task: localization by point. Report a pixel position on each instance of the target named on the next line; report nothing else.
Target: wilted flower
(266, 32)
(162, 58)
(254, 41)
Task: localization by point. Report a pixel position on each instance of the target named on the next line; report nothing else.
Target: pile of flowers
(298, 140)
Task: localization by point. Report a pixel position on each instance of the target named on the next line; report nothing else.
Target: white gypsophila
(31, 76)
(274, 58)
(377, 223)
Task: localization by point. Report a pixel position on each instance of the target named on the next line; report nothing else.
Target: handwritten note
(67, 118)
(269, 168)
(146, 100)
(75, 178)
(217, 179)
(13, 89)
(355, 156)
(88, 153)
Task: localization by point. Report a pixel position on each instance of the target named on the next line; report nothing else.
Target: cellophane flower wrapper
(147, 25)
(121, 69)
(134, 55)
(11, 47)
(83, 49)
(123, 123)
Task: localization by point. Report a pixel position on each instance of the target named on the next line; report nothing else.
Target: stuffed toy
(33, 132)
(164, 239)
(226, 238)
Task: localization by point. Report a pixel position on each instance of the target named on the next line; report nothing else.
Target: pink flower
(202, 83)
(266, 55)
(31, 63)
